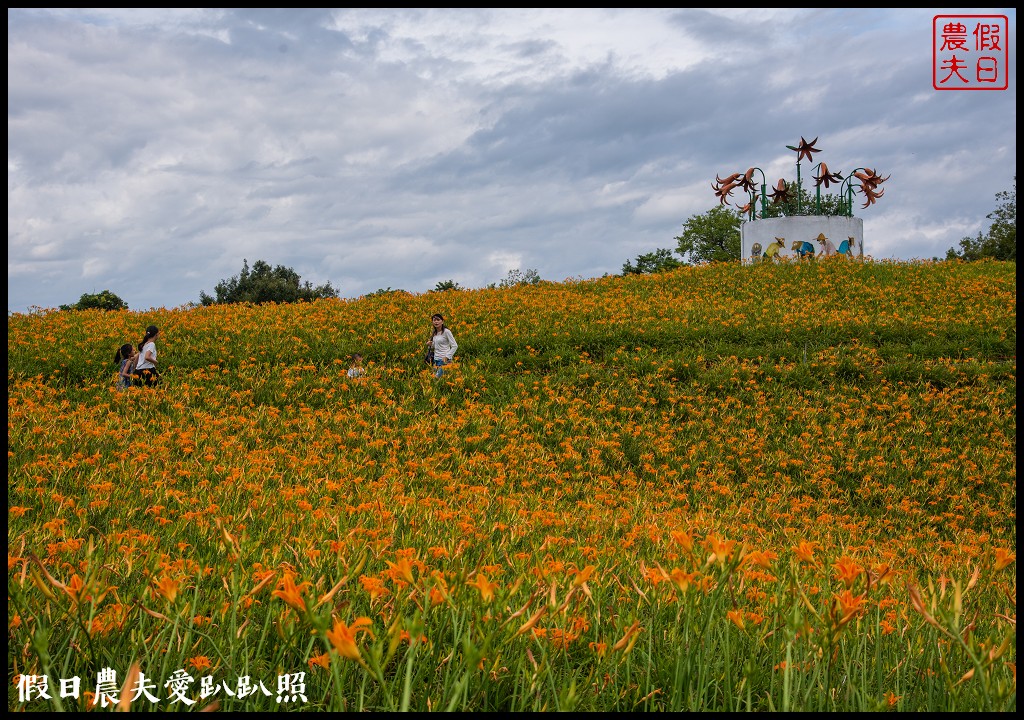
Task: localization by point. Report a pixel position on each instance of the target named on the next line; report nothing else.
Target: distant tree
(264, 284)
(447, 285)
(518, 277)
(1000, 243)
(653, 262)
(104, 300)
(713, 236)
(385, 291)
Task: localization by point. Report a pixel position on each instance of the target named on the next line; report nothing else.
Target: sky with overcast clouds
(150, 151)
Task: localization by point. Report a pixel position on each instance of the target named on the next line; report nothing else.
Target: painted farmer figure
(772, 251)
(803, 248)
(827, 246)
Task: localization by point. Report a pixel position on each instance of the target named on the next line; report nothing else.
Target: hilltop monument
(793, 226)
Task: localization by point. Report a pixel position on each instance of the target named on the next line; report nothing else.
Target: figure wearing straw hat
(772, 251)
(827, 247)
(803, 248)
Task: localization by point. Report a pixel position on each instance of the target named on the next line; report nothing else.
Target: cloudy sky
(150, 151)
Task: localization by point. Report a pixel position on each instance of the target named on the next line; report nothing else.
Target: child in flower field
(356, 370)
(145, 368)
(125, 358)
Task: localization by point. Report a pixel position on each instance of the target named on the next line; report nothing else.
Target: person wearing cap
(146, 372)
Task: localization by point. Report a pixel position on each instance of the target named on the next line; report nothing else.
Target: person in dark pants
(146, 372)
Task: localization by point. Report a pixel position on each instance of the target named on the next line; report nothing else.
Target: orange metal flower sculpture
(824, 177)
(869, 182)
(746, 183)
(780, 193)
(804, 149)
(750, 206)
(723, 188)
(785, 193)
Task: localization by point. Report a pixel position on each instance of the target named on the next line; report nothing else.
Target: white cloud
(401, 147)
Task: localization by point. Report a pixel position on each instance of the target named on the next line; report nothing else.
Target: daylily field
(773, 487)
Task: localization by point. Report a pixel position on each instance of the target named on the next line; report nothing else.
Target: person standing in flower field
(356, 370)
(125, 358)
(442, 342)
(146, 371)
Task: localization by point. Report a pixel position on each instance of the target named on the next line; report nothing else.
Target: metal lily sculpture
(869, 182)
(783, 192)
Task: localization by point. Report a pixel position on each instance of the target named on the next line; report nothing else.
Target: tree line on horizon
(712, 236)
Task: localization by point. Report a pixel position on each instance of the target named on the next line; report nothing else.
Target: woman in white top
(145, 369)
(443, 342)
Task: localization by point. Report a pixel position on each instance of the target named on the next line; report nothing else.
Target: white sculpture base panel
(801, 236)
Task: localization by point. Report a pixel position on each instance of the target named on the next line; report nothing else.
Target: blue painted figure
(803, 249)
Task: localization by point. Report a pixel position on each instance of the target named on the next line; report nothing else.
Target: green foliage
(1000, 242)
(810, 204)
(447, 285)
(264, 284)
(711, 237)
(104, 300)
(658, 261)
(518, 277)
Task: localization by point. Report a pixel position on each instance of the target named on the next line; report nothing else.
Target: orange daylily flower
(721, 550)
(167, 587)
(655, 575)
(374, 586)
(737, 617)
(682, 579)
(75, 588)
(847, 570)
(584, 575)
(763, 559)
(629, 639)
(848, 605)
(805, 551)
(1004, 558)
(323, 661)
(343, 637)
(684, 539)
(200, 662)
(291, 593)
(401, 569)
(485, 586)
(881, 575)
